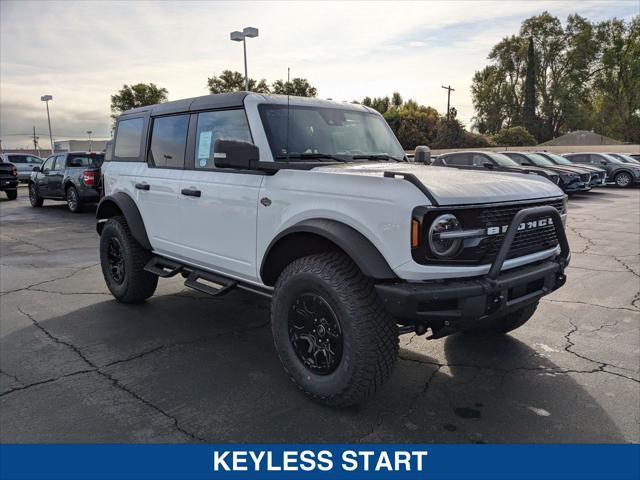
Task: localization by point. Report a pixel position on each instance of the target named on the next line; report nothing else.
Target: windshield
(624, 158)
(557, 159)
(319, 131)
(502, 159)
(539, 160)
(90, 160)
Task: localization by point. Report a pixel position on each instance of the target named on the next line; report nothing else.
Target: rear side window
(458, 159)
(224, 124)
(168, 141)
(577, 158)
(129, 138)
(17, 159)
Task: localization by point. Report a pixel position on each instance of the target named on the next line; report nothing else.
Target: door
(158, 189)
(219, 206)
(42, 179)
(56, 176)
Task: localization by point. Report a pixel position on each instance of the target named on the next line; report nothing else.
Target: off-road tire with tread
(507, 323)
(370, 334)
(138, 284)
(11, 194)
(34, 197)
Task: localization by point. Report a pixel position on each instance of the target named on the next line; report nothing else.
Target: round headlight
(441, 246)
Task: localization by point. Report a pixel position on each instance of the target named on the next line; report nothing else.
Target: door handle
(142, 186)
(191, 192)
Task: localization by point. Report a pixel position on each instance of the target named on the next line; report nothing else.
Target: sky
(81, 52)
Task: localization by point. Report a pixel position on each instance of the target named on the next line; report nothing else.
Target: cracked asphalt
(76, 366)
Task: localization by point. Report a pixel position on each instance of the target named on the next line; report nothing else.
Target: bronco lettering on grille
(543, 222)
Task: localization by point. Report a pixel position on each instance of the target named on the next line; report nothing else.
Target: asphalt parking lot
(76, 366)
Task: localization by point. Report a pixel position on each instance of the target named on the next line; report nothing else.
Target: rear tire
(508, 323)
(623, 180)
(34, 196)
(332, 334)
(12, 194)
(123, 259)
(73, 200)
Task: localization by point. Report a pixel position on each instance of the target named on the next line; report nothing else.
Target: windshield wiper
(381, 156)
(311, 156)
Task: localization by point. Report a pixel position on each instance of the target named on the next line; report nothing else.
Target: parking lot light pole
(89, 132)
(46, 98)
(248, 32)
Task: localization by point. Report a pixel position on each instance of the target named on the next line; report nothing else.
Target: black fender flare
(122, 204)
(358, 247)
(622, 170)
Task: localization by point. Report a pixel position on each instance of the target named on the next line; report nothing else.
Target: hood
(534, 169)
(452, 186)
(567, 169)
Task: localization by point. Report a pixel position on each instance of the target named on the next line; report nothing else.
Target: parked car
(598, 174)
(622, 174)
(635, 156)
(481, 160)
(313, 204)
(624, 158)
(24, 163)
(8, 178)
(73, 177)
(568, 181)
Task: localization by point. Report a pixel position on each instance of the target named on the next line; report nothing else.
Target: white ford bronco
(315, 204)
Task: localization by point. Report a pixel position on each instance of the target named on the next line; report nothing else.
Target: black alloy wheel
(73, 201)
(115, 259)
(315, 333)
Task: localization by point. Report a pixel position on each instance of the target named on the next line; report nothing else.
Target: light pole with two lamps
(236, 36)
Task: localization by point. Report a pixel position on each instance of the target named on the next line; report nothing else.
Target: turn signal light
(415, 233)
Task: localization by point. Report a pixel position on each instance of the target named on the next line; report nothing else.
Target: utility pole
(35, 141)
(449, 90)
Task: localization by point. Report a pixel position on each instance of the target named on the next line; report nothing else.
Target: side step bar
(215, 284)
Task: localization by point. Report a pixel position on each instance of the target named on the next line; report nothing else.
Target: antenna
(288, 90)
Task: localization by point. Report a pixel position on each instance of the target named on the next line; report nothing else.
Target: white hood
(452, 186)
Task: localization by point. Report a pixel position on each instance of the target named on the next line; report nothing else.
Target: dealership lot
(76, 366)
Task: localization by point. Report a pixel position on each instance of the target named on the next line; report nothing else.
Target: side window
(168, 141)
(598, 159)
(17, 159)
(479, 160)
(59, 165)
(128, 138)
(35, 160)
(458, 159)
(581, 158)
(48, 164)
(224, 124)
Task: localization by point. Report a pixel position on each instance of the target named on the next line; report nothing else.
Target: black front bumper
(8, 183)
(448, 306)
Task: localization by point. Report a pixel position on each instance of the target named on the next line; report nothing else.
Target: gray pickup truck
(73, 177)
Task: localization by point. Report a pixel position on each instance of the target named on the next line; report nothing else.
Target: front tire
(73, 200)
(332, 334)
(123, 259)
(623, 180)
(12, 194)
(34, 197)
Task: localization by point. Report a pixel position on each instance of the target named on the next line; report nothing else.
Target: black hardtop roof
(219, 100)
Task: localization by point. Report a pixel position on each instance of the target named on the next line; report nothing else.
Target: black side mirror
(488, 165)
(526, 164)
(603, 162)
(36, 169)
(236, 154)
(422, 154)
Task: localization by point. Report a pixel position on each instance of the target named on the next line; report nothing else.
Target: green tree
(138, 95)
(515, 137)
(298, 86)
(529, 111)
(229, 81)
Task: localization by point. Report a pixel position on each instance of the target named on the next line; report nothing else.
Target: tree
(514, 137)
(229, 81)
(138, 95)
(529, 110)
(396, 99)
(298, 86)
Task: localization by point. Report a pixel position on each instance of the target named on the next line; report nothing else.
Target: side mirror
(422, 154)
(236, 154)
(603, 162)
(488, 165)
(36, 169)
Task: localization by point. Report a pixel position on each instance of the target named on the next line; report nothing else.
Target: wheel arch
(122, 204)
(322, 235)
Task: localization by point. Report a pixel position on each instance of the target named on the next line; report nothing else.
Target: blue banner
(336, 462)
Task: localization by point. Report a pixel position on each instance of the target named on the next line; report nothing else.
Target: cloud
(83, 52)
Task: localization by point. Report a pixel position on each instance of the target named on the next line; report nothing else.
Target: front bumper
(453, 305)
(10, 183)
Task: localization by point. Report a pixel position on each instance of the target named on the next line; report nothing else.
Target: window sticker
(204, 148)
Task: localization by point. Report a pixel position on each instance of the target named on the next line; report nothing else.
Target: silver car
(24, 162)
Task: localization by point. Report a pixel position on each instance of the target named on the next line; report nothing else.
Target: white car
(314, 204)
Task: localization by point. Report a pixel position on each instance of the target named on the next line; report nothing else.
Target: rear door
(219, 222)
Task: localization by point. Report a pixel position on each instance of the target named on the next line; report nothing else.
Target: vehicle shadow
(183, 367)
